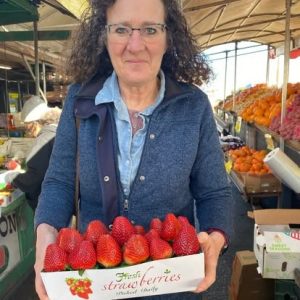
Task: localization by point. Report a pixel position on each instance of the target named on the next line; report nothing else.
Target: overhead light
(5, 67)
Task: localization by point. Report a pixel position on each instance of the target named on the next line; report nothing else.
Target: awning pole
(268, 66)
(36, 57)
(7, 107)
(20, 105)
(225, 78)
(44, 78)
(235, 73)
(33, 77)
(286, 66)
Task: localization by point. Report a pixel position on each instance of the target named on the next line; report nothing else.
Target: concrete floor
(242, 240)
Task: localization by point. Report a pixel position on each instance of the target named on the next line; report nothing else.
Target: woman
(41, 123)
(147, 142)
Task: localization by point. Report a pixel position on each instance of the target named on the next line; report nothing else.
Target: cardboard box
(246, 283)
(276, 244)
(151, 278)
(267, 183)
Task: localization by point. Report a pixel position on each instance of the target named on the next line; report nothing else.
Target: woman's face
(136, 57)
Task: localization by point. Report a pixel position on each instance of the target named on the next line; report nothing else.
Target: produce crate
(286, 290)
(267, 183)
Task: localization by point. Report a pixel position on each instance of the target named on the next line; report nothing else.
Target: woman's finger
(210, 258)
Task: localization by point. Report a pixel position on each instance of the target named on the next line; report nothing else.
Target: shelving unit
(254, 136)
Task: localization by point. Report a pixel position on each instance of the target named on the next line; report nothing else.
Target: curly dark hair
(182, 61)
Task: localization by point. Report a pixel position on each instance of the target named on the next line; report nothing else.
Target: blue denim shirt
(130, 146)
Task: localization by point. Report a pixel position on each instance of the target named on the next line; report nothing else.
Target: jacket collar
(85, 98)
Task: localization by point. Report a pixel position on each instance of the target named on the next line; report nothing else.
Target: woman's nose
(135, 41)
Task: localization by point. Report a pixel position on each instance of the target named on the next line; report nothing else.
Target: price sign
(238, 125)
(228, 166)
(269, 142)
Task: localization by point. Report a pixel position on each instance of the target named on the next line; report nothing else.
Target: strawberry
(160, 249)
(94, 230)
(109, 253)
(139, 229)
(170, 227)
(186, 242)
(136, 250)
(55, 258)
(83, 256)
(68, 239)
(183, 220)
(122, 229)
(83, 294)
(152, 233)
(156, 224)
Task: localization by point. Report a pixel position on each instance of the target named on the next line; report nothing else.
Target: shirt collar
(110, 93)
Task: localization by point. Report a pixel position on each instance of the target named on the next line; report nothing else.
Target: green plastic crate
(21, 220)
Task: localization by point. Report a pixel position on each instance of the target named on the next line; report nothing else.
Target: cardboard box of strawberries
(124, 262)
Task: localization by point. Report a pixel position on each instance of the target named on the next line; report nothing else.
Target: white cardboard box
(276, 244)
(165, 276)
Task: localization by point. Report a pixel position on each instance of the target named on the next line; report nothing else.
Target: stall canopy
(75, 7)
(17, 11)
(55, 22)
(216, 22)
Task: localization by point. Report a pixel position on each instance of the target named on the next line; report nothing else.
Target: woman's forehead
(136, 11)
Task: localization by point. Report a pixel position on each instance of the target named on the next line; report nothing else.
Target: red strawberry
(55, 258)
(139, 229)
(68, 239)
(151, 234)
(136, 250)
(170, 227)
(156, 224)
(94, 230)
(186, 242)
(183, 220)
(160, 249)
(122, 229)
(109, 253)
(83, 256)
(83, 294)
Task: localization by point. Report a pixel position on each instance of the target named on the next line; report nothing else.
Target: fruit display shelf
(255, 187)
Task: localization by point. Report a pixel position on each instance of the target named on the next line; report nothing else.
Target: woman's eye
(150, 30)
(121, 30)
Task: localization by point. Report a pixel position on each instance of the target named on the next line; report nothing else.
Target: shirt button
(106, 178)
(142, 178)
(127, 162)
(152, 136)
(100, 138)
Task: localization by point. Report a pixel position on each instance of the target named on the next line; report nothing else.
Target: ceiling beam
(77, 7)
(199, 7)
(53, 35)
(244, 26)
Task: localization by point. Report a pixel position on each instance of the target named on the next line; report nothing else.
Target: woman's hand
(211, 245)
(46, 235)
